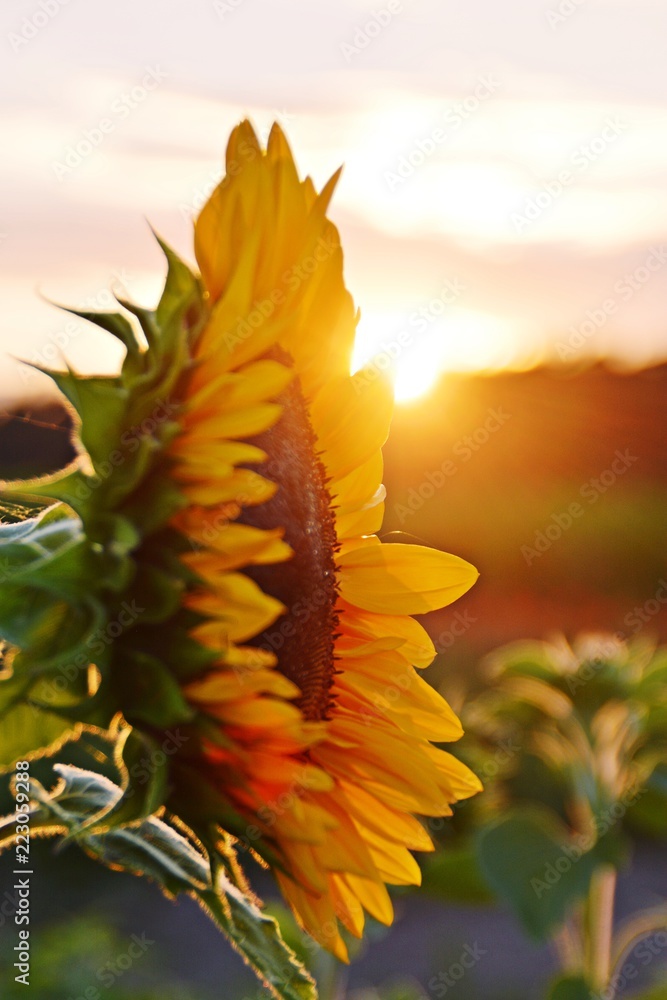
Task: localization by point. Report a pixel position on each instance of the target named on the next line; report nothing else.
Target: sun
(416, 352)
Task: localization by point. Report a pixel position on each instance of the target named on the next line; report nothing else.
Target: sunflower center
(303, 638)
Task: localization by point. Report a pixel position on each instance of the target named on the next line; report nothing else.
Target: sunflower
(213, 564)
(314, 685)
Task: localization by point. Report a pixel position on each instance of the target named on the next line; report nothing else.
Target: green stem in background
(331, 977)
(599, 926)
(567, 942)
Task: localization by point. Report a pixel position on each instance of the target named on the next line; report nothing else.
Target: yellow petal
(349, 909)
(369, 813)
(408, 579)
(360, 487)
(351, 420)
(236, 545)
(412, 638)
(361, 522)
(316, 915)
(255, 383)
(373, 896)
(229, 686)
(242, 486)
(412, 703)
(243, 610)
(258, 713)
(244, 422)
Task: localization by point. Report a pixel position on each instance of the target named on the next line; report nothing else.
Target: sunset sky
(503, 197)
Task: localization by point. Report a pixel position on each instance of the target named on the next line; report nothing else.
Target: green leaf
(137, 757)
(50, 632)
(27, 731)
(70, 485)
(158, 851)
(16, 519)
(570, 988)
(529, 860)
(453, 873)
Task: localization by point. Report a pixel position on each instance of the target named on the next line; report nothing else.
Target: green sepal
(155, 501)
(60, 609)
(101, 403)
(159, 592)
(113, 322)
(150, 692)
(147, 320)
(185, 657)
(183, 294)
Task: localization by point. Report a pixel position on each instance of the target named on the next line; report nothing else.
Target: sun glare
(415, 353)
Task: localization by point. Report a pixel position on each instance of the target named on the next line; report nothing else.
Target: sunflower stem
(568, 945)
(331, 978)
(599, 926)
